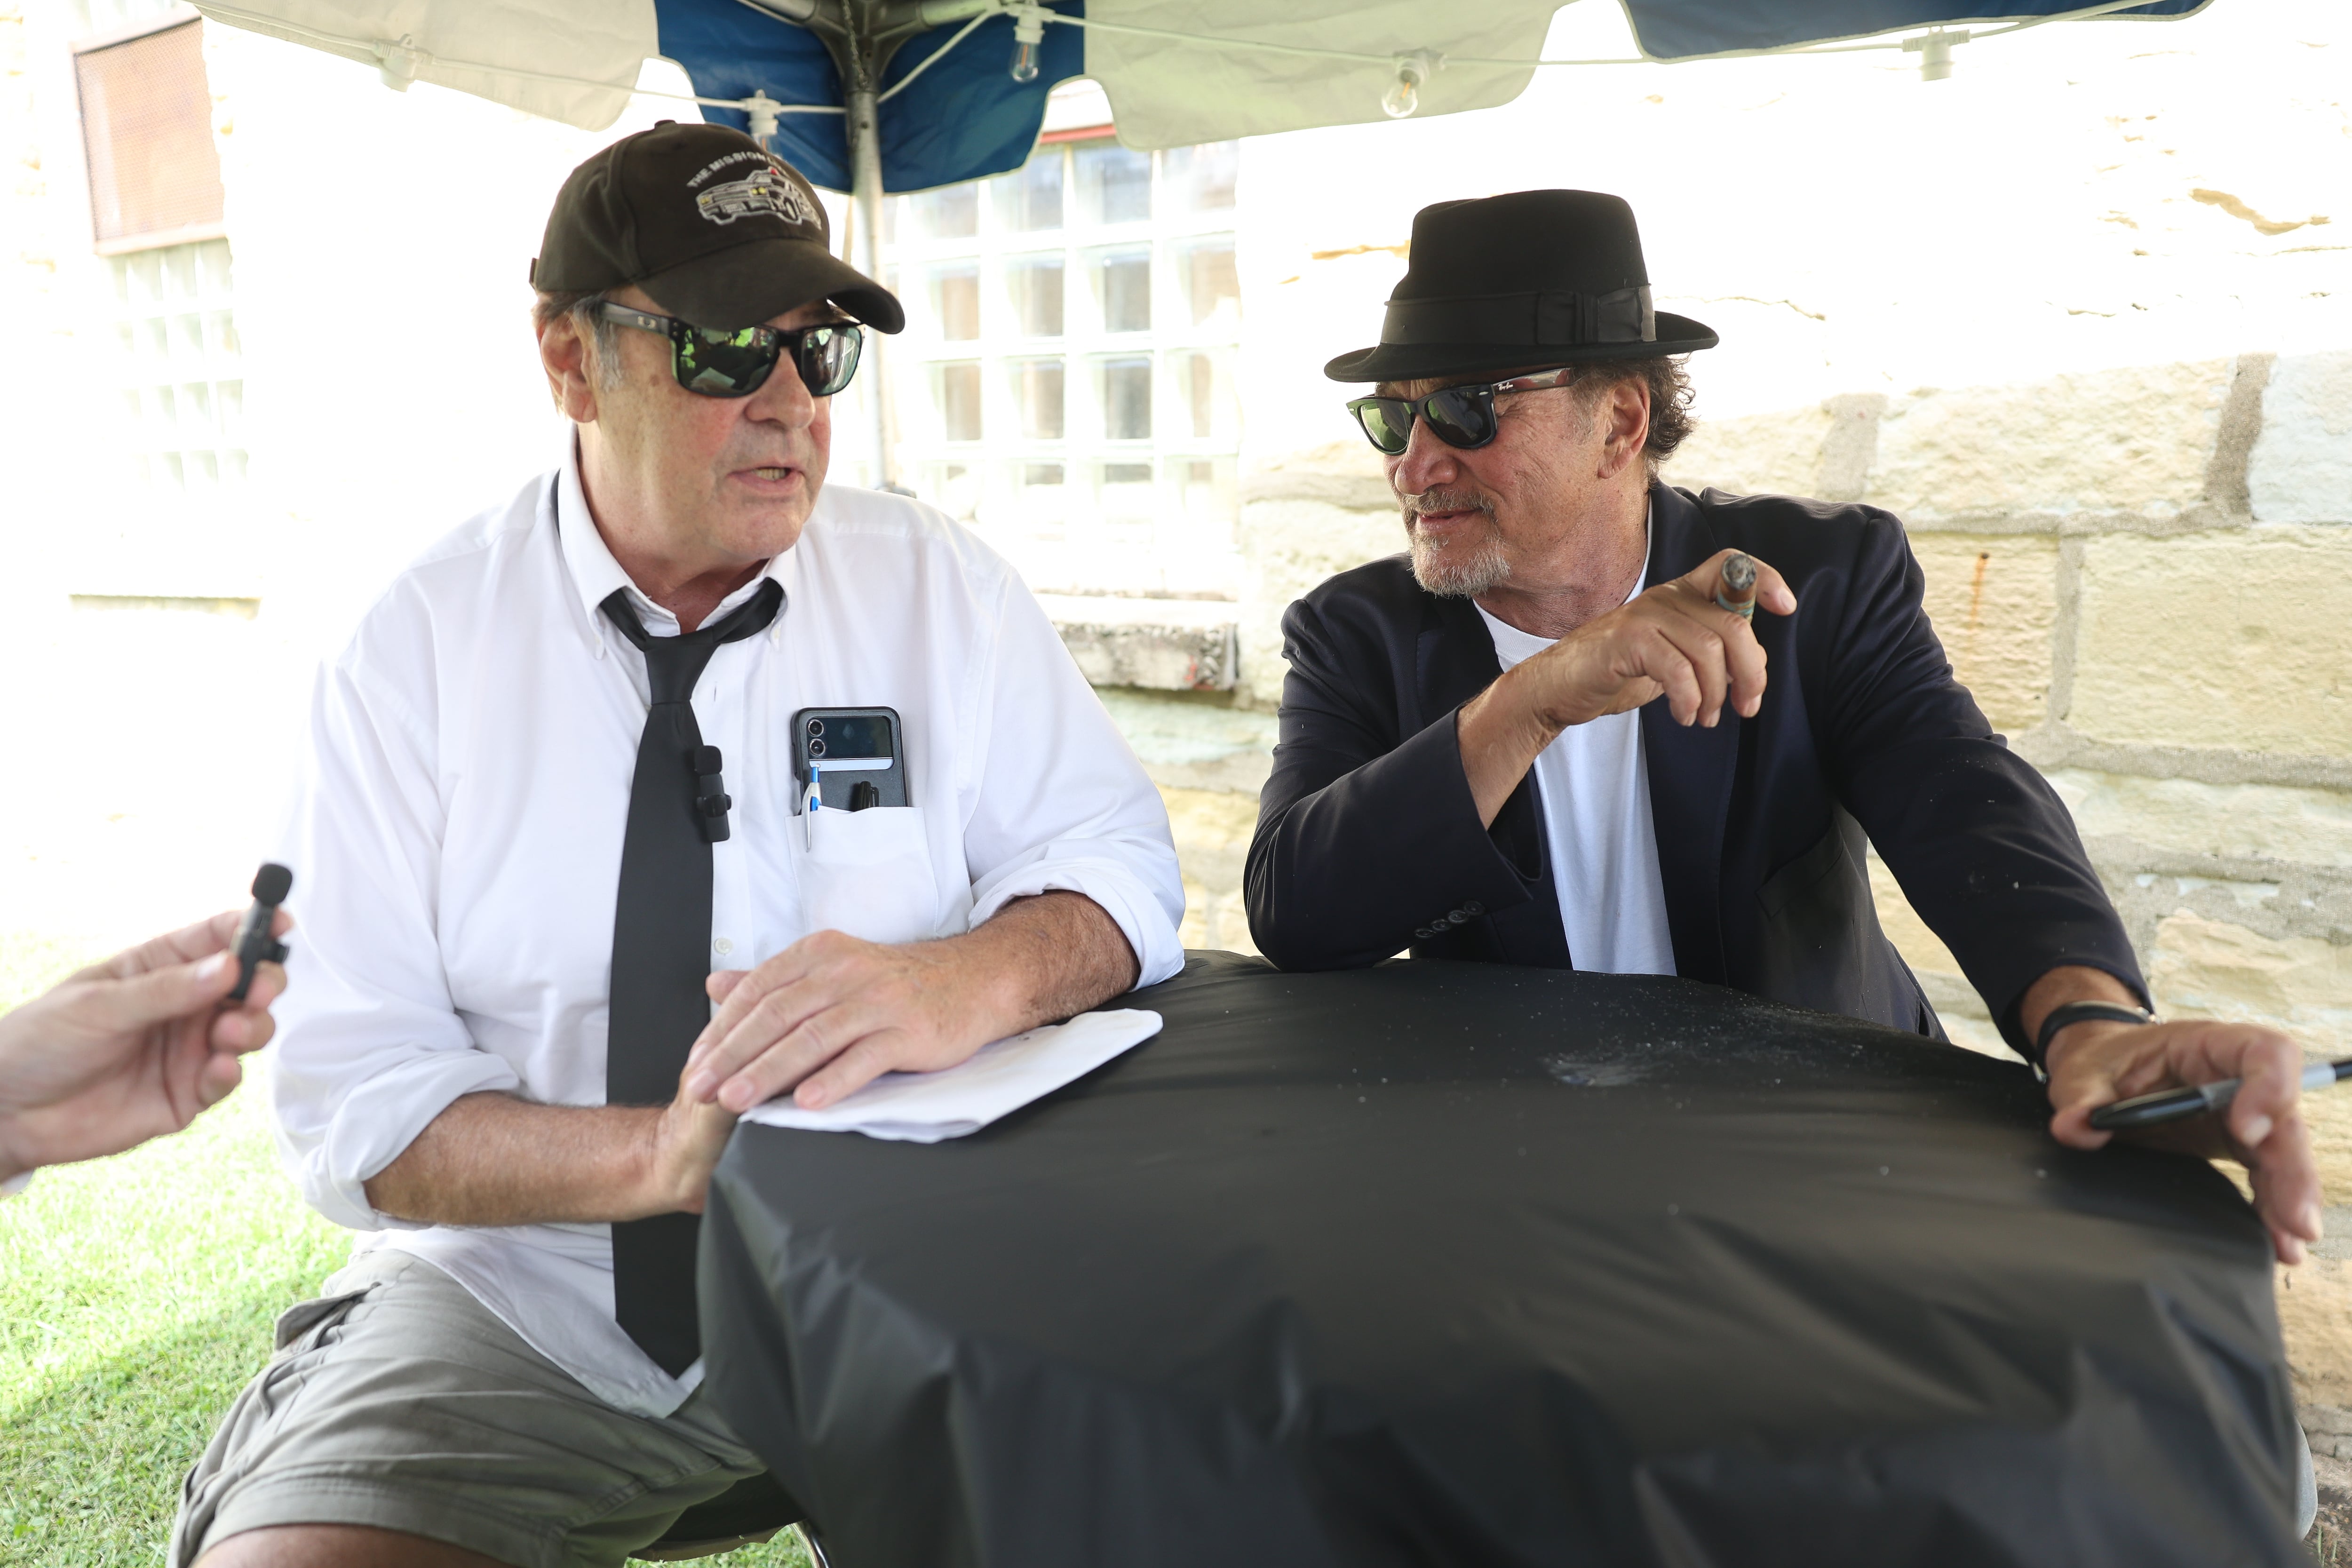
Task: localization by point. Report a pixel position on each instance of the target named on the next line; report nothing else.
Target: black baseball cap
(721, 232)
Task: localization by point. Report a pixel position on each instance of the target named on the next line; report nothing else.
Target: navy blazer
(1368, 840)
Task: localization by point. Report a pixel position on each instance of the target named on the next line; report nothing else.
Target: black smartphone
(853, 756)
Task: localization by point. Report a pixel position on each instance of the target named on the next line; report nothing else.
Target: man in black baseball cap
(1545, 735)
(581, 895)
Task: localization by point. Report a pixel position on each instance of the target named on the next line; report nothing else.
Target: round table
(1440, 1264)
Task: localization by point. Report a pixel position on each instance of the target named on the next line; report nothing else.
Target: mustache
(770, 447)
(1444, 500)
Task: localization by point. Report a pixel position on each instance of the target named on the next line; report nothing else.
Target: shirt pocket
(868, 873)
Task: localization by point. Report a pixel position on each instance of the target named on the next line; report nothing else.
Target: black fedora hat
(1535, 278)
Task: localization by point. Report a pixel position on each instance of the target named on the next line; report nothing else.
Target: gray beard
(1486, 569)
(1486, 566)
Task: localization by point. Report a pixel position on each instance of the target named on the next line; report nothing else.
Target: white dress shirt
(1595, 795)
(456, 839)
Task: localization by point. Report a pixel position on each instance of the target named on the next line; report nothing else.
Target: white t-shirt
(1604, 848)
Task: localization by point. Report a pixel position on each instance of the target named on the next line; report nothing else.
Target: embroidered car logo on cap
(766, 192)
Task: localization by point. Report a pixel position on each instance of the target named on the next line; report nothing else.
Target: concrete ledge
(1192, 745)
(1161, 645)
(2199, 517)
(2054, 746)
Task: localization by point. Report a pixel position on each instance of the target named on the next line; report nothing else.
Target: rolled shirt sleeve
(372, 1049)
(1058, 800)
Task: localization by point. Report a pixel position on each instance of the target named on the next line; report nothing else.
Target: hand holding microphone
(140, 1045)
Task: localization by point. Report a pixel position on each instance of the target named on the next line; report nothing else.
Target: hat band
(1538, 320)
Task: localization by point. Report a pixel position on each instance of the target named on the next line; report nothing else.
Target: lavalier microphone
(254, 943)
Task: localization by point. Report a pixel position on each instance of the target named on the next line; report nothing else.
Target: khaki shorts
(397, 1400)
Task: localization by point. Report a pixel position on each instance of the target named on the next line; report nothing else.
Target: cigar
(1736, 592)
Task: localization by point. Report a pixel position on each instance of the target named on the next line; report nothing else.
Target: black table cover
(1458, 1264)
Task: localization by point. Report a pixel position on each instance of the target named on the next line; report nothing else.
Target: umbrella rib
(962, 33)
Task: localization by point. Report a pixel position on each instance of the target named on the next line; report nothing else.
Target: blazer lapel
(1453, 660)
(1690, 769)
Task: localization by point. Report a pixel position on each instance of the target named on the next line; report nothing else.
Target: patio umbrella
(874, 95)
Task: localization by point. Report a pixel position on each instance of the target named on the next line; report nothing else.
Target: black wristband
(2067, 1013)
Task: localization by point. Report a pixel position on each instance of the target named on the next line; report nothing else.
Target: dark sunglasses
(1460, 417)
(737, 363)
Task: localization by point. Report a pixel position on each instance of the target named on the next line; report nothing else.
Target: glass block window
(1037, 298)
(1127, 399)
(1211, 289)
(181, 374)
(957, 389)
(1201, 179)
(1029, 200)
(1123, 290)
(1039, 402)
(951, 212)
(1114, 183)
(955, 301)
(1075, 398)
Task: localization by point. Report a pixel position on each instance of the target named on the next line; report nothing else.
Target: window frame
(986, 478)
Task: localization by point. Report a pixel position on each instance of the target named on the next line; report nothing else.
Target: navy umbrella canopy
(947, 105)
(961, 115)
(971, 119)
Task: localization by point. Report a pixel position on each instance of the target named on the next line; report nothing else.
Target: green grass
(136, 1297)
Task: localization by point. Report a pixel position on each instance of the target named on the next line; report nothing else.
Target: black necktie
(661, 952)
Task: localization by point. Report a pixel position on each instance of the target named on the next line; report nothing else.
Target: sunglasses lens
(1462, 416)
(828, 358)
(1387, 421)
(724, 364)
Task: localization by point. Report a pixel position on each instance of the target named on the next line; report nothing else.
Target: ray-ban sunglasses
(737, 363)
(1460, 417)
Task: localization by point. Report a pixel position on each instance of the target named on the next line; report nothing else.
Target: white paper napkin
(926, 1107)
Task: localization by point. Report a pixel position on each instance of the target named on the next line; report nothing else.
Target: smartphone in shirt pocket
(854, 756)
(865, 855)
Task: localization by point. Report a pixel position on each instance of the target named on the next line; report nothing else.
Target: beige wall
(2176, 657)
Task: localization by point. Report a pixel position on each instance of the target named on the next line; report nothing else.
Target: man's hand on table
(831, 1013)
(828, 1015)
(2098, 1061)
(131, 1049)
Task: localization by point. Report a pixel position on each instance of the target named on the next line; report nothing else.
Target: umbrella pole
(865, 233)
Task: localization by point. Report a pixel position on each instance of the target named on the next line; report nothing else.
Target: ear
(1624, 420)
(569, 359)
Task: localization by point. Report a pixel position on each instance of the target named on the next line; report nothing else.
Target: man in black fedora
(1540, 737)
